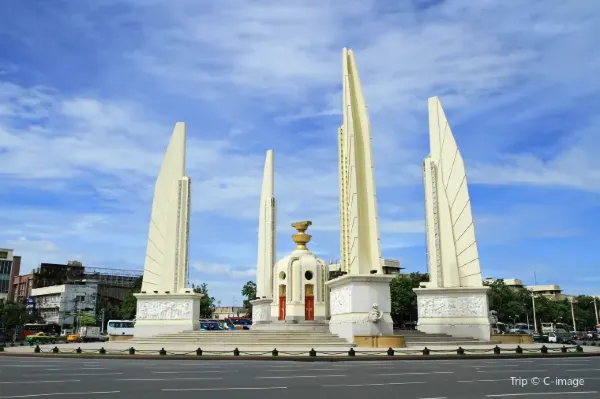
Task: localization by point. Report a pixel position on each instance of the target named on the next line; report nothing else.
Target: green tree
(403, 298)
(129, 305)
(12, 314)
(249, 291)
(207, 302)
(86, 319)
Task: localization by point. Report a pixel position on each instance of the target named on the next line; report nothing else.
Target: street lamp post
(596, 311)
(534, 318)
(573, 314)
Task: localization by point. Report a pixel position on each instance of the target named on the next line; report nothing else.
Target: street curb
(302, 358)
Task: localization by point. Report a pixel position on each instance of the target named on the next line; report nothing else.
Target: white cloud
(222, 270)
(79, 155)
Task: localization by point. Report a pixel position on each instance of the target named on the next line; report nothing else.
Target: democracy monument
(297, 293)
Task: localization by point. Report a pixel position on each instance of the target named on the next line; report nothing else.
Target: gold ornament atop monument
(301, 239)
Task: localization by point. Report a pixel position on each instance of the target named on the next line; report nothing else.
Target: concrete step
(448, 343)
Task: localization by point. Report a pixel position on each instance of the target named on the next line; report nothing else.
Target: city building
(112, 283)
(550, 291)
(10, 266)
(229, 311)
(62, 303)
(389, 266)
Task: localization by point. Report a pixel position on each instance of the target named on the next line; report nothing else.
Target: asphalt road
(154, 379)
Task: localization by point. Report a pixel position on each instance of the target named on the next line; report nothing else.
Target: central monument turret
(299, 283)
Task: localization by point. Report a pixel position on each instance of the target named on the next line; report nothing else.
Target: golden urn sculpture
(301, 238)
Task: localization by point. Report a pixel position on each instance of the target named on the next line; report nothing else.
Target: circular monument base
(287, 325)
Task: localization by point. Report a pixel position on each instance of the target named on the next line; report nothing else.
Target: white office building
(62, 303)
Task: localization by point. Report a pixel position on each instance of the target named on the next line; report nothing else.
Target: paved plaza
(153, 379)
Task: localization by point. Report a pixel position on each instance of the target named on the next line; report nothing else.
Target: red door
(281, 308)
(309, 308)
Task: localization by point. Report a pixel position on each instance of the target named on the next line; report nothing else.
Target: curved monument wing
(166, 263)
(359, 235)
(453, 181)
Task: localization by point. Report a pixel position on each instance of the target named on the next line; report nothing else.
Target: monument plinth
(454, 301)
(165, 304)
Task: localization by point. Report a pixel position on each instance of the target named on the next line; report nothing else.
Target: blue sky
(90, 91)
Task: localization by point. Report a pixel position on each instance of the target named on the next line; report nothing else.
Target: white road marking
(583, 370)
(189, 372)
(300, 376)
(427, 373)
(373, 385)
(72, 374)
(303, 369)
(497, 365)
(505, 379)
(36, 382)
(541, 393)
(511, 371)
(170, 379)
(221, 389)
(59, 394)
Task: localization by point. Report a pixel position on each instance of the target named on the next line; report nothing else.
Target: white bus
(120, 327)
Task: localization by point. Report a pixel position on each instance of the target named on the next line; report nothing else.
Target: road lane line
(583, 370)
(220, 389)
(190, 372)
(59, 394)
(171, 379)
(504, 379)
(299, 376)
(431, 372)
(72, 374)
(540, 393)
(511, 371)
(303, 369)
(373, 385)
(36, 382)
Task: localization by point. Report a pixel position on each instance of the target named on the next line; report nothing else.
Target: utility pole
(596, 311)
(573, 314)
(102, 318)
(534, 318)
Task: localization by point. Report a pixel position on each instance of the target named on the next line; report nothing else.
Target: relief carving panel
(159, 310)
(452, 307)
(339, 300)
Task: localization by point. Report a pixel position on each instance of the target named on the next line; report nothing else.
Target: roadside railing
(314, 353)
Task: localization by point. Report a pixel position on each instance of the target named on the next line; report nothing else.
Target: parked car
(560, 338)
(41, 338)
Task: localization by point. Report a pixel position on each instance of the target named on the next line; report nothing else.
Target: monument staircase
(416, 338)
(248, 339)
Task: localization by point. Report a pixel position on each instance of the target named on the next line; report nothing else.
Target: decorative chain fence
(313, 353)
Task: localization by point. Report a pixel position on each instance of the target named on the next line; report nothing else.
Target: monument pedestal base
(261, 311)
(166, 313)
(460, 312)
(360, 305)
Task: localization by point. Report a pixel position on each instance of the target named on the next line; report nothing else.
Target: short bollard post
(236, 352)
(563, 349)
(312, 353)
(162, 352)
(544, 349)
(78, 350)
(275, 352)
(390, 351)
(351, 352)
(198, 352)
(37, 349)
(102, 351)
(132, 351)
(1, 348)
(496, 350)
(55, 349)
(460, 351)
(426, 351)
(519, 350)
(578, 349)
